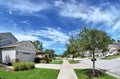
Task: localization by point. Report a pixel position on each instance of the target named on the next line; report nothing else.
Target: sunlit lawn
(73, 61)
(37, 73)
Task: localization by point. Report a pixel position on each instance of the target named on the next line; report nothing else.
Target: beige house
(22, 51)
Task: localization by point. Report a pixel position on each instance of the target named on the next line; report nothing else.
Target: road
(112, 66)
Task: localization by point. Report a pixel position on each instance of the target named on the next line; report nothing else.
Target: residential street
(112, 66)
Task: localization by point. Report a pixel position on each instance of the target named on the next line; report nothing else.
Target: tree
(90, 39)
(72, 46)
(38, 45)
(51, 52)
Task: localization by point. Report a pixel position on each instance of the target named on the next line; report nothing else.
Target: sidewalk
(66, 71)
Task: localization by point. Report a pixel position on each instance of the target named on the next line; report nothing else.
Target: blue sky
(52, 21)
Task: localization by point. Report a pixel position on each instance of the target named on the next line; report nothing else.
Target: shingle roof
(15, 44)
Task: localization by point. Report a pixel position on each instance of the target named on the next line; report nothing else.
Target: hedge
(21, 66)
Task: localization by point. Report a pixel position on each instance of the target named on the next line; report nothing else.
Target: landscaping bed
(37, 73)
(87, 74)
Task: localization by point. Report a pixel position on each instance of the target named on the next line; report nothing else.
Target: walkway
(66, 71)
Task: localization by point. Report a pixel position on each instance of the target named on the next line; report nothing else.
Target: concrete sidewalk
(66, 71)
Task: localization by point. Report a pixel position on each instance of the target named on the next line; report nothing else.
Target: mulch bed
(90, 74)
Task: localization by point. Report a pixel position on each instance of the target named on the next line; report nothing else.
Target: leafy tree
(72, 46)
(50, 51)
(90, 39)
(38, 45)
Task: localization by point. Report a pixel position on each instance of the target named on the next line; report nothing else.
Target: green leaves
(38, 45)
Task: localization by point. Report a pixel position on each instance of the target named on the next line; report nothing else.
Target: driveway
(112, 66)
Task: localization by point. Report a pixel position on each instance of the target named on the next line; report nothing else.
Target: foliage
(90, 39)
(82, 74)
(72, 46)
(38, 45)
(37, 73)
(21, 66)
(51, 52)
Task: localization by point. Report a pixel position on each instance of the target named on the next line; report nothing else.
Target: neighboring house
(42, 55)
(22, 51)
(7, 38)
(113, 49)
(97, 52)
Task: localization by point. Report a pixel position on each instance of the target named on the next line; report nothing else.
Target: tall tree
(38, 45)
(92, 39)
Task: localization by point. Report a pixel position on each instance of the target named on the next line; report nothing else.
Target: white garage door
(8, 56)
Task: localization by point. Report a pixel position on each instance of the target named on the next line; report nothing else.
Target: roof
(15, 44)
(7, 33)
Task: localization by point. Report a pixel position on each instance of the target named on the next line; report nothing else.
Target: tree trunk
(73, 57)
(93, 62)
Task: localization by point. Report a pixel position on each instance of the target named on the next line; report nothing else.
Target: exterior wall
(26, 47)
(26, 52)
(8, 55)
(25, 56)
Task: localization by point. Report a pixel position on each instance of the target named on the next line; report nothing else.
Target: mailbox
(93, 59)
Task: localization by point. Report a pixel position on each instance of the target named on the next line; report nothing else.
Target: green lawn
(57, 62)
(73, 62)
(38, 73)
(111, 57)
(80, 74)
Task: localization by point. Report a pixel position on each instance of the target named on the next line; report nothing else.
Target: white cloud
(22, 37)
(116, 26)
(54, 34)
(88, 13)
(24, 6)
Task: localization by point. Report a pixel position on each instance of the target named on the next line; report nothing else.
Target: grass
(111, 57)
(73, 62)
(1, 65)
(57, 61)
(38, 73)
(81, 75)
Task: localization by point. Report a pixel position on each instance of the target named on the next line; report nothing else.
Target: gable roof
(15, 44)
(7, 38)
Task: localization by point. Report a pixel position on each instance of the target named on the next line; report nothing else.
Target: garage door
(24, 56)
(8, 56)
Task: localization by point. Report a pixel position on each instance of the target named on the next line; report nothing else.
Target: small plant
(21, 66)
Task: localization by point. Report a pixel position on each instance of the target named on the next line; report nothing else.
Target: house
(42, 55)
(14, 50)
(113, 49)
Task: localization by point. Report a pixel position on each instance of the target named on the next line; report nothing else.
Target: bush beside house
(21, 66)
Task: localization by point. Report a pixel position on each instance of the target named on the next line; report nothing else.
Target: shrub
(21, 66)
(43, 61)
